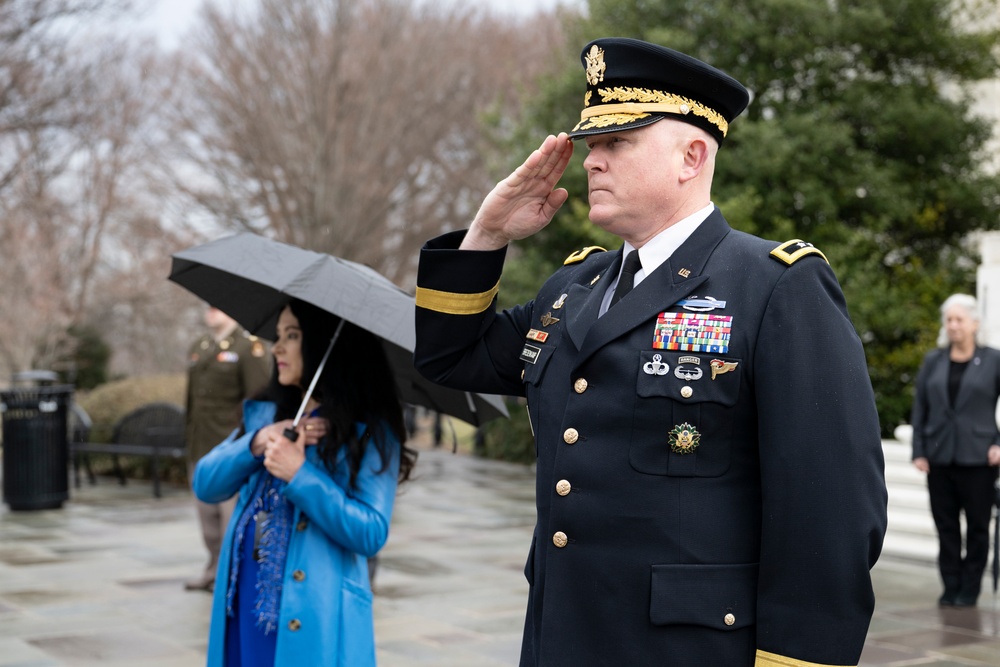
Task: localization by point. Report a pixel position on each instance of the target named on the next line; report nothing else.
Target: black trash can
(35, 446)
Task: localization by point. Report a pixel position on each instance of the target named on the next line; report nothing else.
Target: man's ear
(696, 156)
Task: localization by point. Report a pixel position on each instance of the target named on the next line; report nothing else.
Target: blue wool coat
(325, 616)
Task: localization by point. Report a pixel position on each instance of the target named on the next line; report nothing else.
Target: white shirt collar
(658, 249)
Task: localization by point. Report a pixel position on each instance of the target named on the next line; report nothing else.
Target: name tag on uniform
(530, 353)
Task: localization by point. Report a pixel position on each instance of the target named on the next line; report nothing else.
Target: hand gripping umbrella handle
(291, 433)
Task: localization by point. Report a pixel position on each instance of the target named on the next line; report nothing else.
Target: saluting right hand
(524, 202)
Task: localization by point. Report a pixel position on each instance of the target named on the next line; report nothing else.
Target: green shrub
(109, 402)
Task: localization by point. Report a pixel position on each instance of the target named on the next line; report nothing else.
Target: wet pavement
(99, 582)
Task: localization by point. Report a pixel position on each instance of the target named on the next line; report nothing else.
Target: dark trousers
(953, 490)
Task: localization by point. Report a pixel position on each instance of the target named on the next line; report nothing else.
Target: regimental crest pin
(559, 302)
(684, 439)
(547, 319)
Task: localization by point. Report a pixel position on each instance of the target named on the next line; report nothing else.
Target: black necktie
(632, 266)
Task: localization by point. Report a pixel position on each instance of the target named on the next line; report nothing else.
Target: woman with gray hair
(957, 444)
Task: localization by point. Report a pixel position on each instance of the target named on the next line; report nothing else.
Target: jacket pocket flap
(716, 596)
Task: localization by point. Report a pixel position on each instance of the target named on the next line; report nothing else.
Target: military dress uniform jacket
(221, 374)
(700, 506)
(959, 434)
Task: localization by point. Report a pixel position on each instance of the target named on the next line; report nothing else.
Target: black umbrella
(252, 278)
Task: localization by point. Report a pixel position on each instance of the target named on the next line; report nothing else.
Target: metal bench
(155, 431)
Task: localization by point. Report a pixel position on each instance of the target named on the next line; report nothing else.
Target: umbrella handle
(289, 433)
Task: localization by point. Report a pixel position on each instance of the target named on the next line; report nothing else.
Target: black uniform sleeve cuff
(457, 282)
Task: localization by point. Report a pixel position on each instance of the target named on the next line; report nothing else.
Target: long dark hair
(357, 385)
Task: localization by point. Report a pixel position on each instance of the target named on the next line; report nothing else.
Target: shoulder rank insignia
(581, 255)
(792, 251)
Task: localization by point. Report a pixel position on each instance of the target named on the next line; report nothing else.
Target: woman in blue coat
(292, 586)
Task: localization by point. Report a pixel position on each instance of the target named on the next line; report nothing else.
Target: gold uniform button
(299, 575)
(563, 487)
(301, 525)
(686, 392)
(560, 539)
(294, 624)
(571, 435)
(580, 385)
(730, 619)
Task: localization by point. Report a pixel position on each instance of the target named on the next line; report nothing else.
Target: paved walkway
(99, 582)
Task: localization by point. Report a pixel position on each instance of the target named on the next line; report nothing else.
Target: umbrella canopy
(252, 279)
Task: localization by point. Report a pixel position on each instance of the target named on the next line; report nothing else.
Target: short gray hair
(966, 301)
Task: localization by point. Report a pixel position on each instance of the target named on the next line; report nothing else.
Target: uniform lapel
(584, 301)
(676, 278)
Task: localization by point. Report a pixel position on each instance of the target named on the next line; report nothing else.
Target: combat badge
(701, 304)
(547, 319)
(684, 439)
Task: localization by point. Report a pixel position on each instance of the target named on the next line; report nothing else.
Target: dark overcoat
(959, 434)
(707, 505)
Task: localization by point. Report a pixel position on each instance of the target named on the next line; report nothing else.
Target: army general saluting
(710, 479)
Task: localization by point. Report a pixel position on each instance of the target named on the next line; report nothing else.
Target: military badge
(559, 302)
(687, 373)
(227, 357)
(684, 439)
(547, 319)
(656, 366)
(701, 304)
(719, 367)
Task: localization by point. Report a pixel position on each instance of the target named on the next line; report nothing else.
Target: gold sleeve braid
(455, 303)
(765, 659)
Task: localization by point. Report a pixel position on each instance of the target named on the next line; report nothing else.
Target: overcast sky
(171, 18)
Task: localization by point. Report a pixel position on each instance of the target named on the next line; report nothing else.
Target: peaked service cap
(631, 83)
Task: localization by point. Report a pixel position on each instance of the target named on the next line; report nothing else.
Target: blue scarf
(275, 529)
